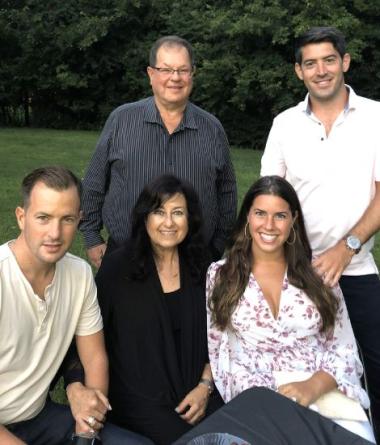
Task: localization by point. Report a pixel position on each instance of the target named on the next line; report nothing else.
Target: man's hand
(95, 254)
(88, 406)
(331, 264)
(196, 403)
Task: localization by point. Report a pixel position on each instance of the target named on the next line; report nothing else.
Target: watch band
(83, 439)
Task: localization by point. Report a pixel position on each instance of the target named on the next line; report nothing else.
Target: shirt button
(322, 139)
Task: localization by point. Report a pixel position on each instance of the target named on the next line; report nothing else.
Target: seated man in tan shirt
(48, 296)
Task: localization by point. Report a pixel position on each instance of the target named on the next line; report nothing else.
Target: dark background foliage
(67, 64)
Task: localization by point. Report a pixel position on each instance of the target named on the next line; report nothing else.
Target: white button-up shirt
(334, 176)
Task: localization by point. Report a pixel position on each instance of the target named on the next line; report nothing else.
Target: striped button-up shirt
(135, 147)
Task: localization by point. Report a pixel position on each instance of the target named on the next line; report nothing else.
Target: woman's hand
(307, 392)
(193, 407)
(301, 392)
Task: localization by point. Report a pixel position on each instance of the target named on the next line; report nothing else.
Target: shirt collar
(152, 115)
(351, 104)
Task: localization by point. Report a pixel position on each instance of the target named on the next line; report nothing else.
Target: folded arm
(308, 391)
(339, 365)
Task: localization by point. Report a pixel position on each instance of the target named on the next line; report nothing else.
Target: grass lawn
(21, 150)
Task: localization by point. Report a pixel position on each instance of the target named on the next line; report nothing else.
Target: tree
(72, 62)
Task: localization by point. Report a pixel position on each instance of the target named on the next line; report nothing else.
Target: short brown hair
(54, 177)
(170, 41)
(320, 34)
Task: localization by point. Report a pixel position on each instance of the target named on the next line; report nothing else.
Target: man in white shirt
(46, 297)
(328, 148)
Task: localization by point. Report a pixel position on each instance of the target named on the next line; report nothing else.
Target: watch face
(353, 242)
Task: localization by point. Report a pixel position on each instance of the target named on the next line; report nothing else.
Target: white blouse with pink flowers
(247, 355)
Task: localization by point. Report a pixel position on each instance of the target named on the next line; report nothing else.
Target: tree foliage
(68, 64)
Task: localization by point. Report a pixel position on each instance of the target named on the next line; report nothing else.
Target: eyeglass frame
(171, 71)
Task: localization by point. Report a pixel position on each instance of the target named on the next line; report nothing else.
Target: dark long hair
(233, 276)
(192, 248)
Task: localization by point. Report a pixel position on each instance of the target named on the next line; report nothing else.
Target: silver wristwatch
(353, 243)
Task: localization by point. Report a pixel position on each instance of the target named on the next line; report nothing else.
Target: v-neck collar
(284, 286)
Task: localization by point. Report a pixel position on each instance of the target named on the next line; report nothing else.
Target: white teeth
(267, 238)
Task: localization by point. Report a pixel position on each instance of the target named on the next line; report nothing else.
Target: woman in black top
(152, 296)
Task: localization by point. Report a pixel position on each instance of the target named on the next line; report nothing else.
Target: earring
(290, 243)
(246, 232)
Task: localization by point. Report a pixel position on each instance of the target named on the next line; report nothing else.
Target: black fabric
(146, 382)
(173, 302)
(80, 440)
(53, 425)
(264, 417)
(111, 246)
(362, 297)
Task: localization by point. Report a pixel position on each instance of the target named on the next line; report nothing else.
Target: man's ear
(20, 217)
(298, 70)
(80, 215)
(346, 62)
(149, 71)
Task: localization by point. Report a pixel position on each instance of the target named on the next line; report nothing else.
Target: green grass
(21, 150)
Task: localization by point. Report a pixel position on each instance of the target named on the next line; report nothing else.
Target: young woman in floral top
(269, 311)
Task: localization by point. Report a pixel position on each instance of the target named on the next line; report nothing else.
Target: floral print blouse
(260, 344)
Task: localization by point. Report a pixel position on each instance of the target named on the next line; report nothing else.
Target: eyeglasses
(166, 72)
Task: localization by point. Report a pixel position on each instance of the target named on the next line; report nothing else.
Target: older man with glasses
(164, 133)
